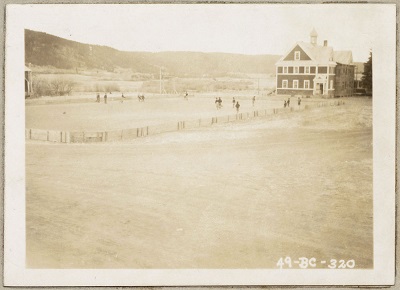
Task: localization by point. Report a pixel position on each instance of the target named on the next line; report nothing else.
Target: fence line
(133, 133)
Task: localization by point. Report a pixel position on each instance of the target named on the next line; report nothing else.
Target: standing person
(216, 103)
(299, 101)
(254, 100)
(288, 102)
(220, 102)
(186, 95)
(105, 98)
(123, 97)
(233, 102)
(237, 107)
(98, 98)
(284, 104)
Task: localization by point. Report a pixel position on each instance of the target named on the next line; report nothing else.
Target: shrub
(56, 87)
(40, 87)
(61, 86)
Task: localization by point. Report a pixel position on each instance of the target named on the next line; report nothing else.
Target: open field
(92, 116)
(124, 80)
(236, 195)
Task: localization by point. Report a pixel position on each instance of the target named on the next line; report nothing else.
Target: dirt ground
(235, 195)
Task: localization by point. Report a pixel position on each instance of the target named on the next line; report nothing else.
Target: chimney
(325, 42)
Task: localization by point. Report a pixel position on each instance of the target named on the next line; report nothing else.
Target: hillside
(42, 49)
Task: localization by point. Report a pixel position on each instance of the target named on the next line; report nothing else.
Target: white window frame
(296, 70)
(307, 70)
(297, 55)
(295, 84)
(285, 69)
(308, 84)
(283, 84)
(331, 84)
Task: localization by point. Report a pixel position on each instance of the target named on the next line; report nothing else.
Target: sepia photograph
(228, 139)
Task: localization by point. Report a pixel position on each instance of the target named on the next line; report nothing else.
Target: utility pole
(160, 81)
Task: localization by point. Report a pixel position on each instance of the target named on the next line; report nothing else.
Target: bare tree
(61, 86)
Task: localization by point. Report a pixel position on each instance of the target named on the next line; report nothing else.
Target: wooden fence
(129, 134)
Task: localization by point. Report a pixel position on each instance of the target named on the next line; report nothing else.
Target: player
(237, 107)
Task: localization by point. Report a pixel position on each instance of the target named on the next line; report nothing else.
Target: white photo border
(384, 149)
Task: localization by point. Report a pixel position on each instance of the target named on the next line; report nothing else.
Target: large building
(309, 69)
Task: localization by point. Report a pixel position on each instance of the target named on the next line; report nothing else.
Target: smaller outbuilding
(28, 82)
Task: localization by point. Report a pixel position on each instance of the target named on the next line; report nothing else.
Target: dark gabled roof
(343, 57)
(323, 54)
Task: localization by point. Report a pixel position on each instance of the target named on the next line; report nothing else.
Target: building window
(285, 69)
(331, 84)
(295, 84)
(284, 84)
(296, 70)
(297, 55)
(307, 70)
(322, 70)
(306, 84)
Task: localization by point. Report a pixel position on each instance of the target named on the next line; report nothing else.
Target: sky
(233, 28)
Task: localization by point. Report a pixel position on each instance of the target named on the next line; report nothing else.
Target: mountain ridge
(43, 49)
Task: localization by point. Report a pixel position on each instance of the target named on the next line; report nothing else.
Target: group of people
(218, 103)
(235, 103)
(287, 102)
(105, 98)
(98, 98)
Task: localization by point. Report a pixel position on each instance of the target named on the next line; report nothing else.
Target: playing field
(117, 115)
(234, 195)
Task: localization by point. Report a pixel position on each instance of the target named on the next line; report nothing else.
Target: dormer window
(296, 70)
(297, 55)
